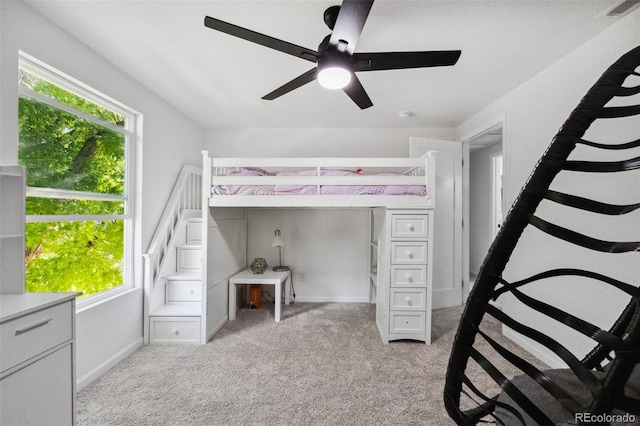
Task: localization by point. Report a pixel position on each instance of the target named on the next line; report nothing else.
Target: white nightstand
(275, 278)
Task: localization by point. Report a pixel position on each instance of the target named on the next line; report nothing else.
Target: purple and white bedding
(311, 189)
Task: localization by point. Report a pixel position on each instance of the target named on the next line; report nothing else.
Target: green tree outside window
(79, 161)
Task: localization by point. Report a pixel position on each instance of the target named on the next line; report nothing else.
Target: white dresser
(37, 359)
(37, 330)
(401, 270)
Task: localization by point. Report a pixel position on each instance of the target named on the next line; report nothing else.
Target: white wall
(317, 142)
(534, 112)
(330, 245)
(109, 331)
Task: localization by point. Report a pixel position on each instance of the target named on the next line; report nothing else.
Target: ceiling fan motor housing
(335, 70)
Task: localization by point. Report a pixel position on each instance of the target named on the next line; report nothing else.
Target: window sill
(107, 296)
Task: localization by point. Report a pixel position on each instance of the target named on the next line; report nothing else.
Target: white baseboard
(218, 326)
(544, 355)
(97, 372)
(364, 299)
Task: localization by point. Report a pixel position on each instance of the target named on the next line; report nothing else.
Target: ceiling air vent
(621, 7)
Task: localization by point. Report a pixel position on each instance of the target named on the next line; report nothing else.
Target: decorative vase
(259, 265)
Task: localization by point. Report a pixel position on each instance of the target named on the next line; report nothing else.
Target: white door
(447, 239)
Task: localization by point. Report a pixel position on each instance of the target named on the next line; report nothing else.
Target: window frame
(132, 139)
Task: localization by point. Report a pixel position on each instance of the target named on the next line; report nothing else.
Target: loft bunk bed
(319, 182)
(403, 189)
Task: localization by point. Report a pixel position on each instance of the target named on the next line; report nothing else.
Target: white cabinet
(404, 269)
(37, 330)
(12, 216)
(37, 359)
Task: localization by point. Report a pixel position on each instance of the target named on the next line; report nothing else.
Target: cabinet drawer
(183, 291)
(407, 322)
(408, 299)
(174, 329)
(408, 252)
(410, 226)
(35, 333)
(189, 258)
(409, 276)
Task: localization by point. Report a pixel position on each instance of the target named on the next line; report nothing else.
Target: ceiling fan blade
(351, 18)
(261, 39)
(357, 93)
(401, 60)
(299, 81)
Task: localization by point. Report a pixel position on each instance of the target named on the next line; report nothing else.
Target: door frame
(497, 192)
(444, 299)
(467, 140)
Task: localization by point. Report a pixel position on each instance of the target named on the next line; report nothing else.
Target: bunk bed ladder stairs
(173, 266)
(177, 320)
(183, 286)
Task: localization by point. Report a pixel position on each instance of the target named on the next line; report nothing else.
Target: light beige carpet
(324, 364)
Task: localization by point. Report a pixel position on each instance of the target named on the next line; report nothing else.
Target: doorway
(484, 195)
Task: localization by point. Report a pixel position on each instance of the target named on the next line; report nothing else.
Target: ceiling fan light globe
(334, 77)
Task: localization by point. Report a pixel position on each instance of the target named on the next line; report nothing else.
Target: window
(76, 146)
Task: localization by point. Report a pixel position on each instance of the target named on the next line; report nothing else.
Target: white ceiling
(218, 80)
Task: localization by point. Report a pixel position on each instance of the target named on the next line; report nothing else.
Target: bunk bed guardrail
(320, 181)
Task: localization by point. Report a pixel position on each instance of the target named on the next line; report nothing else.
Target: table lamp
(277, 242)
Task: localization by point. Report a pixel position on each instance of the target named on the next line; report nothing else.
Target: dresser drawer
(183, 291)
(174, 329)
(32, 334)
(407, 322)
(409, 226)
(409, 276)
(408, 252)
(408, 299)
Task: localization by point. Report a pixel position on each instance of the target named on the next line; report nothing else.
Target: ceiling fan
(335, 58)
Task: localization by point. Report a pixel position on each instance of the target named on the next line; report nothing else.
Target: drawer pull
(33, 326)
(411, 227)
(408, 299)
(175, 331)
(409, 254)
(409, 278)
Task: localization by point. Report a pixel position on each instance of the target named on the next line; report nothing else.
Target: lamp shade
(277, 241)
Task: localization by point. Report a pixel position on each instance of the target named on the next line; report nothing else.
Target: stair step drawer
(174, 330)
(407, 322)
(189, 258)
(408, 252)
(409, 276)
(194, 231)
(408, 299)
(183, 291)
